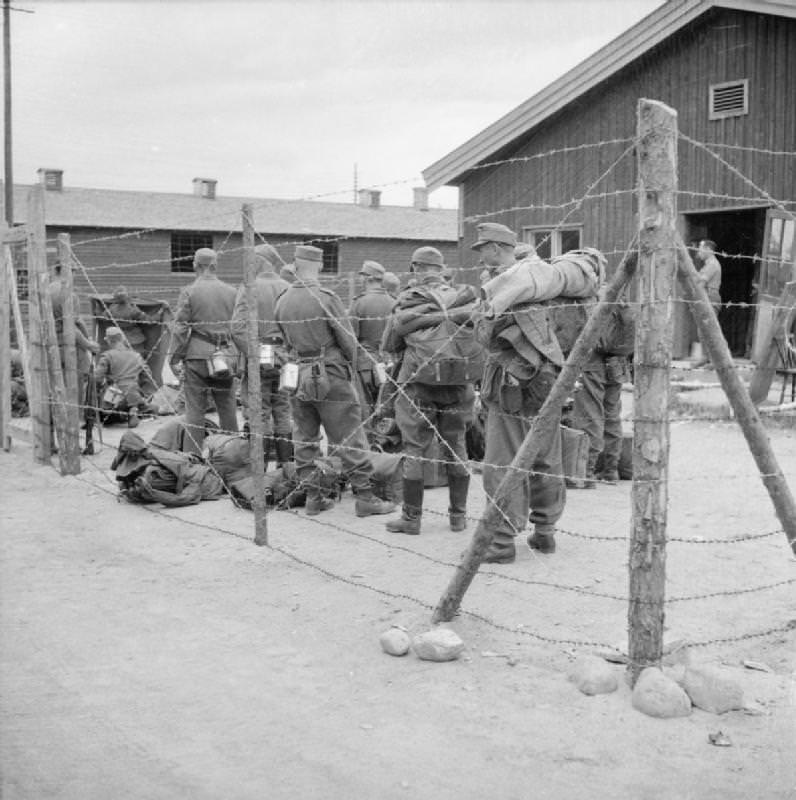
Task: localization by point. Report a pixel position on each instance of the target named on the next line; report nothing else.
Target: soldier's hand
(93, 346)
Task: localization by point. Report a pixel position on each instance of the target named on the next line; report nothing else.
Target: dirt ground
(151, 653)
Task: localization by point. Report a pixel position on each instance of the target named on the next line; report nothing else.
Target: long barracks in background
(560, 169)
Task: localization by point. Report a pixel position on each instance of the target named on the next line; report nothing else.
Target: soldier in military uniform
(320, 341)
(275, 404)
(432, 332)
(391, 284)
(120, 366)
(368, 314)
(202, 330)
(129, 318)
(523, 360)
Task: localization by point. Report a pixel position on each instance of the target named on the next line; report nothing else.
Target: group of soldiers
(436, 344)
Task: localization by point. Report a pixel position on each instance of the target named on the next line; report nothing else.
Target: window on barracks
(183, 245)
(551, 242)
(330, 255)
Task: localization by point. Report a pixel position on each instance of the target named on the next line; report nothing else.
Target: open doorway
(739, 244)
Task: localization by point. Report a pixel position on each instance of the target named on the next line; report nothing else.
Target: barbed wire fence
(42, 371)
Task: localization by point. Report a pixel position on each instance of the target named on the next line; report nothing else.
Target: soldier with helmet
(431, 331)
(323, 348)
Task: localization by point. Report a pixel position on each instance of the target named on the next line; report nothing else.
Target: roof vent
(420, 198)
(205, 187)
(730, 99)
(369, 198)
(51, 179)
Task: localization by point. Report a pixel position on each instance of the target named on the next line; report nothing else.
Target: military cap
(428, 256)
(372, 269)
(113, 333)
(494, 232)
(205, 256)
(391, 282)
(120, 293)
(306, 252)
(269, 254)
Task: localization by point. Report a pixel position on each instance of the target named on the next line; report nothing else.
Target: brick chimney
(205, 187)
(420, 198)
(51, 179)
(369, 198)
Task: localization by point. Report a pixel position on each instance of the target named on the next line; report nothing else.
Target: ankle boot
(284, 448)
(368, 504)
(543, 539)
(315, 504)
(501, 550)
(458, 486)
(409, 521)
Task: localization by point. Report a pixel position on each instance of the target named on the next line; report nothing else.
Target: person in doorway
(129, 318)
(710, 277)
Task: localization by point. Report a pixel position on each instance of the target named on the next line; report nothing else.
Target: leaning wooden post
(256, 428)
(5, 358)
(766, 369)
(657, 203)
(745, 411)
(37, 265)
(526, 456)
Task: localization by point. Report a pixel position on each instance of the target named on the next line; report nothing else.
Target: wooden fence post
(526, 456)
(745, 411)
(5, 358)
(657, 160)
(256, 428)
(19, 327)
(37, 265)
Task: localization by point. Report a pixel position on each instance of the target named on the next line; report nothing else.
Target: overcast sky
(282, 99)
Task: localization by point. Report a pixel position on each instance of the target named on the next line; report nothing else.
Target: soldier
(432, 332)
(322, 344)
(203, 351)
(368, 314)
(523, 360)
(129, 318)
(392, 284)
(121, 367)
(275, 408)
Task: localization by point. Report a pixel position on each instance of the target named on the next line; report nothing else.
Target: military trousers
(274, 403)
(197, 382)
(542, 493)
(423, 412)
(597, 409)
(339, 413)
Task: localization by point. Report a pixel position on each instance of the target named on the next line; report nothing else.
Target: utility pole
(9, 169)
(356, 182)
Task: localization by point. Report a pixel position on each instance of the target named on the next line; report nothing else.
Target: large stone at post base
(395, 642)
(712, 688)
(657, 695)
(440, 644)
(593, 676)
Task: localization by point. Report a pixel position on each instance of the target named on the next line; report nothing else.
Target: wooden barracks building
(146, 240)
(729, 69)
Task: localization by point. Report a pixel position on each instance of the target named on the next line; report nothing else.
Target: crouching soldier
(117, 374)
(432, 332)
(323, 348)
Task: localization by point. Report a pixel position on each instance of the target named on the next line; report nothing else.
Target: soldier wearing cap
(201, 338)
(431, 331)
(275, 404)
(316, 330)
(129, 318)
(392, 284)
(121, 367)
(368, 314)
(523, 358)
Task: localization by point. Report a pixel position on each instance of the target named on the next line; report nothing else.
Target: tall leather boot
(409, 521)
(610, 473)
(284, 448)
(591, 478)
(458, 486)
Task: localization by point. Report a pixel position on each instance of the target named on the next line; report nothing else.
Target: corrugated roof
(653, 29)
(107, 208)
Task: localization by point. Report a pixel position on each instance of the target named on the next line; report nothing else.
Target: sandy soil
(150, 653)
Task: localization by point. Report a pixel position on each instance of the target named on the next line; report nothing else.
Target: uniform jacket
(267, 287)
(314, 324)
(126, 316)
(204, 308)
(369, 313)
(710, 275)
(122, 366)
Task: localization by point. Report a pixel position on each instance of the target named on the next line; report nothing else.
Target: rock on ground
(395, 642)
(657, 695)
(440, 644)
(712, 688)
(593, 676)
